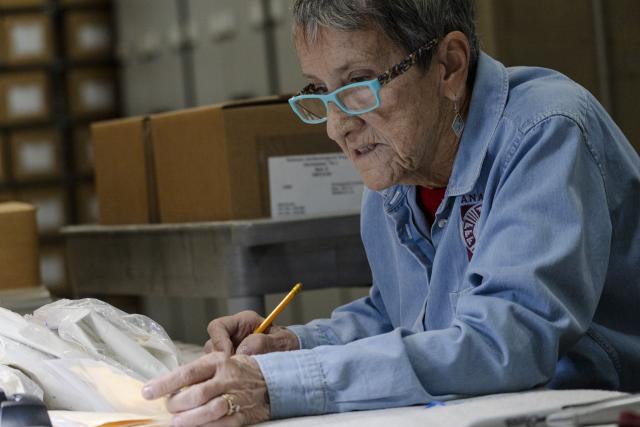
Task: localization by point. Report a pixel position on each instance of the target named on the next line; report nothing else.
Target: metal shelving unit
(241, 261)
(60, 119)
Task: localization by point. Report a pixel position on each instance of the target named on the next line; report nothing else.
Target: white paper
(474, 412)
(97, 95)
(108, 388)
(37, 157)
(92, 36)
(102, 419)
(25, 99)
(27, 40)
(313, 185)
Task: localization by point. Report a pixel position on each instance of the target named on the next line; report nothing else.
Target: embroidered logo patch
(470, 209)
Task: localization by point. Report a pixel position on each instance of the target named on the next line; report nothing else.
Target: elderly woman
(501, 223)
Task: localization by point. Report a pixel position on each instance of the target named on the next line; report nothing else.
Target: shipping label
(313, 185)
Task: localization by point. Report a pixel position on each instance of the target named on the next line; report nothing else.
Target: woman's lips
(364, 150)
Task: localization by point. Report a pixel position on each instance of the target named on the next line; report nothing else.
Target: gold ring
(233, 406)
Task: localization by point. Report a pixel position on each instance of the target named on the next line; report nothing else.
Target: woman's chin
(376, 183)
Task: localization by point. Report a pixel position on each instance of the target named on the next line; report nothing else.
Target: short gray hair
(408, 23)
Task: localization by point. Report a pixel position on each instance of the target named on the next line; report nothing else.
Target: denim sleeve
(531, 290)
(359, 319)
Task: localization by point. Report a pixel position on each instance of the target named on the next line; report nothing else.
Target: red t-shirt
(429, 199)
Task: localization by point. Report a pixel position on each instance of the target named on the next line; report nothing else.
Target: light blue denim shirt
(529, 276)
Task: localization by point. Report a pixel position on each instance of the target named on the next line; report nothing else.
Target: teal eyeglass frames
(355, 98)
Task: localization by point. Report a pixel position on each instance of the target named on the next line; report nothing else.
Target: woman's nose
(339, 123)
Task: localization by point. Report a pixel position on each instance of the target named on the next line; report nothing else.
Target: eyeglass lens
(353, 100)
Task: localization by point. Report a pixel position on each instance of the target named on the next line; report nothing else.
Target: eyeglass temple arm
(406, 63)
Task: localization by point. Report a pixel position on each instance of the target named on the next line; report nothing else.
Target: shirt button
(442, 223)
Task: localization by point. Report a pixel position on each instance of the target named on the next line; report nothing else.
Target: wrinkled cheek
(344, 149)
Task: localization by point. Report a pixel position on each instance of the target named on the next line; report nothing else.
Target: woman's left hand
(195, 392)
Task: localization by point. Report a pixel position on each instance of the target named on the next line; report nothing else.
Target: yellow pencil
(276, 311)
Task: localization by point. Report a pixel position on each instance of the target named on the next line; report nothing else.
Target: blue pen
(434, 403)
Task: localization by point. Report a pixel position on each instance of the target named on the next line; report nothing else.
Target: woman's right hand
(234, 335)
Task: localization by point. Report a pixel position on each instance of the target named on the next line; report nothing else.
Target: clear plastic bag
(130, 341)
(31, 362)
(38, 337)
(86, 355)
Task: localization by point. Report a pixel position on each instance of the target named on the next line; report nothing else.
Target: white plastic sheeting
(86, 355)
(130, 341)
(13, 381)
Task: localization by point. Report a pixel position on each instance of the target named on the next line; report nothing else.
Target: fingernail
(147, 392)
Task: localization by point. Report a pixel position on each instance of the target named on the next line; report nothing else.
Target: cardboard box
(563, 36)
(87, 204)
(623, 46)
(24, 97)
(51, 208)
(35, 154)
(88, 35)
(123, 172)
(21, 4)
(211, 163)
(92, 92)
(18, 247)
(201, 164)
(26, 39)
(53, 269)
(546, 33)
(84, 157)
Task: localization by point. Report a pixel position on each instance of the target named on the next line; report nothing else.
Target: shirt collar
(488, 100)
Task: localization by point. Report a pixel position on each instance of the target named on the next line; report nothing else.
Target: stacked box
(24, 97)
(35, 154)
(88, 35)
(122, 172)
(26, 39)
(57, 74)
(201, 164)
(18, 246)
(92, 92)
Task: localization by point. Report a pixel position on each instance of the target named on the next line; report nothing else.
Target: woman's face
(398, 143)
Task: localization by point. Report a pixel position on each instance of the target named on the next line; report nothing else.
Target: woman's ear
(453, 56)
